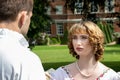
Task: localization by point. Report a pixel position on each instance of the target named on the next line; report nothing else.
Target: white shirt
(17, 62)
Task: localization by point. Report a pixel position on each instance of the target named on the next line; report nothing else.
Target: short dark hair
(9, 9)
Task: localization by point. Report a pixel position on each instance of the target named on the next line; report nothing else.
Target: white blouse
(63, 74)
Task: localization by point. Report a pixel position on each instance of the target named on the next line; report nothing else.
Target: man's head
(9, 9)
(18, 12)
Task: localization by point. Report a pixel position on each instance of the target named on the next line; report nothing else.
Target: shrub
(64, 38)
(41, 40)
(107, 30)
(116, 37)
(54, 40)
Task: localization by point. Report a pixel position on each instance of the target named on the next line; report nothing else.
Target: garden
(54, 56)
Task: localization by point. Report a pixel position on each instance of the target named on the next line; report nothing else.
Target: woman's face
(81, 44)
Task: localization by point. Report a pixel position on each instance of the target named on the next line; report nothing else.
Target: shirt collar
(15, 35)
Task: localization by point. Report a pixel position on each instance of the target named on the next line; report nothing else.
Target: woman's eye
(74, 37)
(80, 37)
(84, 37)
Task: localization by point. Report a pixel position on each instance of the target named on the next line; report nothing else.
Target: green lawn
(55, 56)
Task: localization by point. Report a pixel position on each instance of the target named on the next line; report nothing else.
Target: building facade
(63, 17)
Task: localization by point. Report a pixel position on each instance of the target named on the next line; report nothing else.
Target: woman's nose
(79, 41)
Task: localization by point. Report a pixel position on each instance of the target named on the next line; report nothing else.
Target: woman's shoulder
(109, 74)
(63, 69)
(62, 73)
(113, 74)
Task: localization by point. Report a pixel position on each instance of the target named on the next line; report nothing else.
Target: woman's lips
(79, 49)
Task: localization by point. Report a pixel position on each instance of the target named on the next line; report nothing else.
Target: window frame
(109, 4)
(59, 9)
(59, 29)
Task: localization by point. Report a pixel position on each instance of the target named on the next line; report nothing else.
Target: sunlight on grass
(112, 53)
(53, 54)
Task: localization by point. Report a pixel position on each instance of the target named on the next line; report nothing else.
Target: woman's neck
(86, 63)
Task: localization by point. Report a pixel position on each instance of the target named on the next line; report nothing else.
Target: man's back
(17, 62)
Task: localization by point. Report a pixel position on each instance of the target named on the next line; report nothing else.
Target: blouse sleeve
(110, 75)
(60, 74)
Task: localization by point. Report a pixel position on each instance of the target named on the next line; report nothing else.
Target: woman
(86, 45)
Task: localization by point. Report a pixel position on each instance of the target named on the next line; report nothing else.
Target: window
(59, 9)
(94, 6)
(48, 10)
(59, 28)
(109, 6)
(78, 7)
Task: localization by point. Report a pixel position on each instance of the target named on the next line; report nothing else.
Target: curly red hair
(96, 37)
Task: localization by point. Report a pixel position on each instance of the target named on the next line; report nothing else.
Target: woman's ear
(22, 18)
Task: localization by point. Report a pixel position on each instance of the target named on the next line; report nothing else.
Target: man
(17, 62)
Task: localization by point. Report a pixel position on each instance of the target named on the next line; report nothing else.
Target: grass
(55, 56)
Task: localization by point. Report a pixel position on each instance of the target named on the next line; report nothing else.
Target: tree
(86, 10)
(40, 21)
